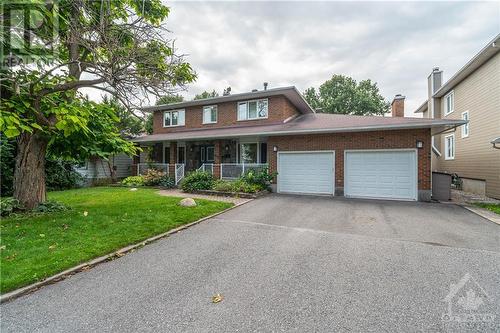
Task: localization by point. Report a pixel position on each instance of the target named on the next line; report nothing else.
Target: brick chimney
(398, 106)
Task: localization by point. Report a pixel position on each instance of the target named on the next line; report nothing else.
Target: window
(210, 154)
(248, 153)
(253, 109)
(449, 147)
(173, 118)
(449, 103)
(210, 114)
(465, 128)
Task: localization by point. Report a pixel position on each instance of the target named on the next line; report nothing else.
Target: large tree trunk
(29, 175)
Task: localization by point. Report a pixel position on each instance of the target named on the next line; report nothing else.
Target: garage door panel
(306, 172)
(381, 174)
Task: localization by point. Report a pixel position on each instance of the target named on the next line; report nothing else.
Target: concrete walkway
(178, 193)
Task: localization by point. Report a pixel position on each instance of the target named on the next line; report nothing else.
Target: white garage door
(381, 174)
(309, 173)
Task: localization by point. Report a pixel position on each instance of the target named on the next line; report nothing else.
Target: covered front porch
(224, 158)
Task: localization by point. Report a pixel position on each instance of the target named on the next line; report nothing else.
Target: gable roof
(315, 123)
(293, 95)
(486, 53)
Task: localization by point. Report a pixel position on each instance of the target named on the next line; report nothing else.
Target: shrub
(153, 177)
(9, 205)
(167, 182)
(241, 185)
(61, 175)
(223, 186)
(236, 186)
(50, 207)
(262, 178)
(197, 180)
(133, 181)
(7, 164)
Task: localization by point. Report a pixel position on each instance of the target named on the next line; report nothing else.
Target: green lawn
(495, 208)
(36, 247)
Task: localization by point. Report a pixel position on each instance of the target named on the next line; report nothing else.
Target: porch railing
(179, 173)
(207, 167)
(142, 168)
(236, 170)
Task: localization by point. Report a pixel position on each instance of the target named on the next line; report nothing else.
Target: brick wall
(358, 140)
(280, 109)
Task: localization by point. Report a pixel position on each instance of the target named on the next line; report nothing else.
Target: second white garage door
(381, 174)
(304, 172)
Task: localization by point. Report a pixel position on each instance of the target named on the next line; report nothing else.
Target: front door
(207, 154)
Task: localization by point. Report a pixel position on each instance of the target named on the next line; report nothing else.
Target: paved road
(285, 263)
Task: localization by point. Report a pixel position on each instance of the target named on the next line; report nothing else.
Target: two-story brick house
(313, 153)
(471, 94)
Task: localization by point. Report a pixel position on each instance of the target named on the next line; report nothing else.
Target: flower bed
(250, 185)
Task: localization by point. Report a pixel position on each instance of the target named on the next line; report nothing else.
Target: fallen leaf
(3, 247)
(11, 257)
(119, 255)
(217, 298)
(85, 213)
(42, 235)
(65, 226)
(53, 246)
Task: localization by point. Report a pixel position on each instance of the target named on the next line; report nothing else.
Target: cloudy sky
(395, 44)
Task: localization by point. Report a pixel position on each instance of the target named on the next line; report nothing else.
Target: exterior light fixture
(275, 148)
(420, 144)
(226, 147)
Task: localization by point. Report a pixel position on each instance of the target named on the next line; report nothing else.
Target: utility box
(441, 186)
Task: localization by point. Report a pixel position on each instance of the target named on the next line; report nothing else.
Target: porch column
(217, 158)
(173, 159)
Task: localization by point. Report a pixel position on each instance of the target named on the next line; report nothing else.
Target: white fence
(142, 168)
(207, 167)
(232, 170)
(236, 170)
(179, 173)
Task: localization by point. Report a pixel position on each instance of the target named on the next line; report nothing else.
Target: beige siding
(474, 156)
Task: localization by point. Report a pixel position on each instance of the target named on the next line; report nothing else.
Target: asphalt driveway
(285, 263)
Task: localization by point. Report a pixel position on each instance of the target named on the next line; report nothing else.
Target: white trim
(452, 94)
(451, 157)
(203, 114)
(434, 148)
(256, 102)
(383, 150)
(278, 188)
(466, 126)
(178, 118)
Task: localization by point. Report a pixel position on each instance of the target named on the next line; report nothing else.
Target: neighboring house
(472, 94)
(96, 169)
(355, 156)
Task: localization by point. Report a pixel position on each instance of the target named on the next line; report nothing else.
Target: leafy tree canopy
(206, 94)
(121, 47)
(342, 94)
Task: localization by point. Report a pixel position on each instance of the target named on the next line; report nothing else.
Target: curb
(108, 257)
(484, 213)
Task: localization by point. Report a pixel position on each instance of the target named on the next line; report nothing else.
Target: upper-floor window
(210, 114)
(465, 128)
(449, 147)
(250, 110)
(449, 103)
(174, 118)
